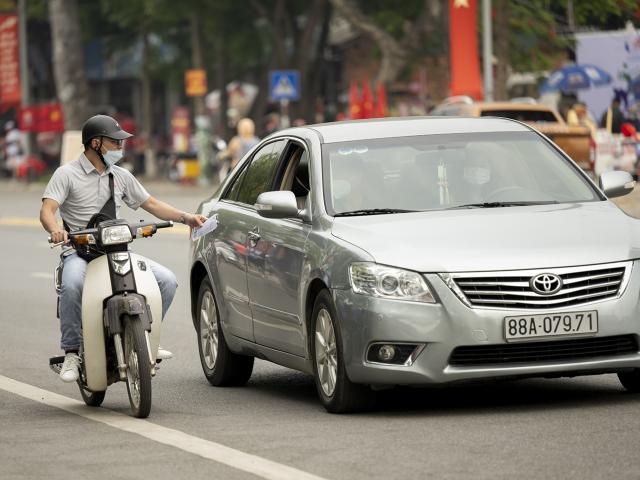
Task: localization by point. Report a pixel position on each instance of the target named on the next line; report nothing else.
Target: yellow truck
(575, 141)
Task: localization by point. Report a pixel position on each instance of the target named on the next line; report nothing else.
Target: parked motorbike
(121, 314)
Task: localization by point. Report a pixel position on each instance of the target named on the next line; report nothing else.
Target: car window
(435, 172)
(295, 173)
(232, 193)
(260, 173)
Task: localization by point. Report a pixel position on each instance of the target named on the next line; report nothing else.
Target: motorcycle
(121, 312)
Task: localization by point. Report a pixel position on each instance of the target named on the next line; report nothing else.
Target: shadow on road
(289, 389)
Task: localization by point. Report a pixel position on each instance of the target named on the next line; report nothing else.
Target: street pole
(25, 88)
(487, 50)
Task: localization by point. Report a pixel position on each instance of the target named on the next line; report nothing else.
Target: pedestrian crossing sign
(284, 85)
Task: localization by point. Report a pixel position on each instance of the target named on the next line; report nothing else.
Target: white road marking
(217, 452)
(47, 275)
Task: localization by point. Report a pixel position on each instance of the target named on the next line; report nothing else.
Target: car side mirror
(280, 204)
(617, 183)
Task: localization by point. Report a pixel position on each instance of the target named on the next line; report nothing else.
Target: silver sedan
(415, 251)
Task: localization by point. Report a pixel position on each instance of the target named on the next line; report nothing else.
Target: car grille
(531, 352)
(510, 290)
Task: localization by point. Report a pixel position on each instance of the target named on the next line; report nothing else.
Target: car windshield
(436, 172)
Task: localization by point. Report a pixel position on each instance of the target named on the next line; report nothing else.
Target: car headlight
(116, 234)
(388, 282)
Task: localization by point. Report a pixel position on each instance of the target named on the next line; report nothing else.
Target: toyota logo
(546, 283)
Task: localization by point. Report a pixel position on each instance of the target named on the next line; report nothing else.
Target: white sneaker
(69, 371)
(163, 354)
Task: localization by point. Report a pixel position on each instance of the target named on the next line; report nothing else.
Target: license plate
(550, 325)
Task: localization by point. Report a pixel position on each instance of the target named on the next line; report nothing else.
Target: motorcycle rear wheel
(136, 356)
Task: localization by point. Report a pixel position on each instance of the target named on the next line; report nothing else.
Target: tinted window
(259, 176)
(232, 193)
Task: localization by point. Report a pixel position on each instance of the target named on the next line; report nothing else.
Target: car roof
(355, 130)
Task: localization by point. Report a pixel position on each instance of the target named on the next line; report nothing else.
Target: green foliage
(392, 15)
(539, 29)
(534, 43)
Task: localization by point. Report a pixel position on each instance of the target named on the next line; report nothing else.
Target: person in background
(13, 147)
(271, 124)
(244, 141)
(613, 118)
(579, 115)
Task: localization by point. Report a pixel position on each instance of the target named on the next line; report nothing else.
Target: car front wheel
(337, 393)
(220, 365)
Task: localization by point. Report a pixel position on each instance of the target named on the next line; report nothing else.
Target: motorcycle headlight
(388, 282)
(116, 234)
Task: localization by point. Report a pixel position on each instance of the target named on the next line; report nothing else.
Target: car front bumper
(448, 324)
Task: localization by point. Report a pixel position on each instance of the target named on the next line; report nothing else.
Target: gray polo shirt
(81, 191)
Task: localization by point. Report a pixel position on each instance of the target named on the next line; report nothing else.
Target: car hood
(509, 238)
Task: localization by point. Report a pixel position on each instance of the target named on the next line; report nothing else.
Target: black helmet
(102, 126)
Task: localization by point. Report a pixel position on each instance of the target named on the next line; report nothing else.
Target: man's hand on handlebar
(59, 236)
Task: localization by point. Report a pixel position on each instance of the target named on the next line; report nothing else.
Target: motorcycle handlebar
(167, 224)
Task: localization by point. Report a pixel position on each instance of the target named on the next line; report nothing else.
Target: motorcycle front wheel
(92, 399)
(136, 356)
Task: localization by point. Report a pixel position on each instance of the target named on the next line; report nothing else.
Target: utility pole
(487, 50)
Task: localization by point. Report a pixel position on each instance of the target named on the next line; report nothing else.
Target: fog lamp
(386, 353)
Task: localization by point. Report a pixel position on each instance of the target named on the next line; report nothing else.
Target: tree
(396, 50)
(296, 34)
(71, 82)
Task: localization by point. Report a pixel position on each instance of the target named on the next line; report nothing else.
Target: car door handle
(254, 236)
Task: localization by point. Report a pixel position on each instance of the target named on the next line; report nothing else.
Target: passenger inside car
(296, 175)
(420, 185)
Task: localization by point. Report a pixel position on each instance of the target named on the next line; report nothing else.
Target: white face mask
(477, 175)
(112, 157)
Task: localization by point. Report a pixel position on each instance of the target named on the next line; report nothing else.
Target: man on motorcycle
(90, 189)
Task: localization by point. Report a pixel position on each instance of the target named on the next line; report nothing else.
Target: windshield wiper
(373, 211)
(503, 204)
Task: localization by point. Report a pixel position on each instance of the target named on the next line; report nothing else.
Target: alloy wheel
(209, 330)
(326, 352)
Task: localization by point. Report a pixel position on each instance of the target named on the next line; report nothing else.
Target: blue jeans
(75, 269)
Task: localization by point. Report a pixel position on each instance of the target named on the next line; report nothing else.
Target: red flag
(355, 107)
(367, 101)
(381, 101)
(465, 66)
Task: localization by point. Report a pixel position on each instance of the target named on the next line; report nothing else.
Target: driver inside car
(90, 188)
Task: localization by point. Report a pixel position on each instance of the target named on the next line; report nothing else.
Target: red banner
(465, 65)
(9, 60)
(46, 117)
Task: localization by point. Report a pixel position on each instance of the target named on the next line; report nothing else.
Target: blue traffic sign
(284, 85)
